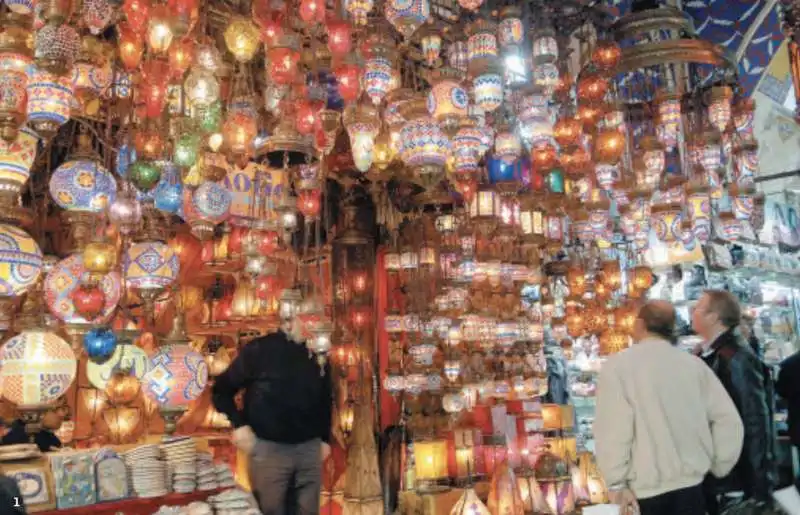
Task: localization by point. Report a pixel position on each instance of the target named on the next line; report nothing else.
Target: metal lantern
(457, 56)
(485, 208)
(719, 109)
(545, 46)
(423, 144)
(669, 119)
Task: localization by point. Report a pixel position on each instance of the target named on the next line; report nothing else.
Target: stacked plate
(21, 451)
(198, 508)
(147, 472)
(224, 476)
(234, 502)
(206, 472)
(180, 454)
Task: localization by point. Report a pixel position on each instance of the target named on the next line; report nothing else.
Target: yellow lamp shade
(16, 158)
(20, 261)
(430, 460)
(121, 422)
(150, 265)
(38, 368)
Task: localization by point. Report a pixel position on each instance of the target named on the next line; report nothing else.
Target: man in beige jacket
(663, 421)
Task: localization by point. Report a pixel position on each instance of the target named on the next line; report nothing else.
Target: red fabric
(390, 409)
(136, 506)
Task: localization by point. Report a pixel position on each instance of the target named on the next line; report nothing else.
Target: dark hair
(726, 306)
(659, 319)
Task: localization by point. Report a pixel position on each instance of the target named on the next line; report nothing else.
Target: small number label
(17, 503)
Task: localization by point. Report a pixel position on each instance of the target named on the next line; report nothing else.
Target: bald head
(656, 319)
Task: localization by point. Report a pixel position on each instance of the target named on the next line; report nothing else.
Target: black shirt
(288, 397)
(44, 439)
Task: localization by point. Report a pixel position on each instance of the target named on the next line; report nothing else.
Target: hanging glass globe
(201, 87)
(125, 212)
(83, 184)
(186, 149)
(242, 39)
(144, 175)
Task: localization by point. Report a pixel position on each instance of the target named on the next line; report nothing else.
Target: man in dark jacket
(285, 423)
(716, 318)
(788, 387)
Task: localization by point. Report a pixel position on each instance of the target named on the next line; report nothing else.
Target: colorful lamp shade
(482, 45)
(447, 100)
(16, 158)
(424, 144)
(212, 201)
(13, 84)
(50, 100)
(377, 78)
(507, 146)
(201, 87)
(362, 123)
(62, 281)
(20, 261)
(359, 9)
(83, 185)
(177, 376)
(488, 91)
(666, 221)
(38, 368)
(511, 30)
(545, 46)
(407, 15)
(24, 7)
(150, 265)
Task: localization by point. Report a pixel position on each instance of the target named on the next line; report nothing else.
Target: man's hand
(625, 500)
(244, 439)
(325, 451)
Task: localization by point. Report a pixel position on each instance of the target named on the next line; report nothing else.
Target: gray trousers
(286, 478)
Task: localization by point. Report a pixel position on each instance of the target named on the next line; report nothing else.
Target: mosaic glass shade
(16, 159)
(407, 15)
(83, 185)
(20, 6)
(423, 143)
(447, 98)
(488, 91)
(210, 201)
(377, 78)
(20, 261)
(38, 368)
(65, 277)
(150, 265)
(177, 376)
(49, 98)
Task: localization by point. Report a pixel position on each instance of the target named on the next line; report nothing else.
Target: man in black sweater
(285, 423)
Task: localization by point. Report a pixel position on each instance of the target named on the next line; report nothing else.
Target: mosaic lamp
(177, 375)
(20, 261)
(149, 267)
(82, 183)
(38, 368)
(50, 100)
(16, 158)
(15, 58)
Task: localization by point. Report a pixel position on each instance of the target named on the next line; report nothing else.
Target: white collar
(707, 350)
